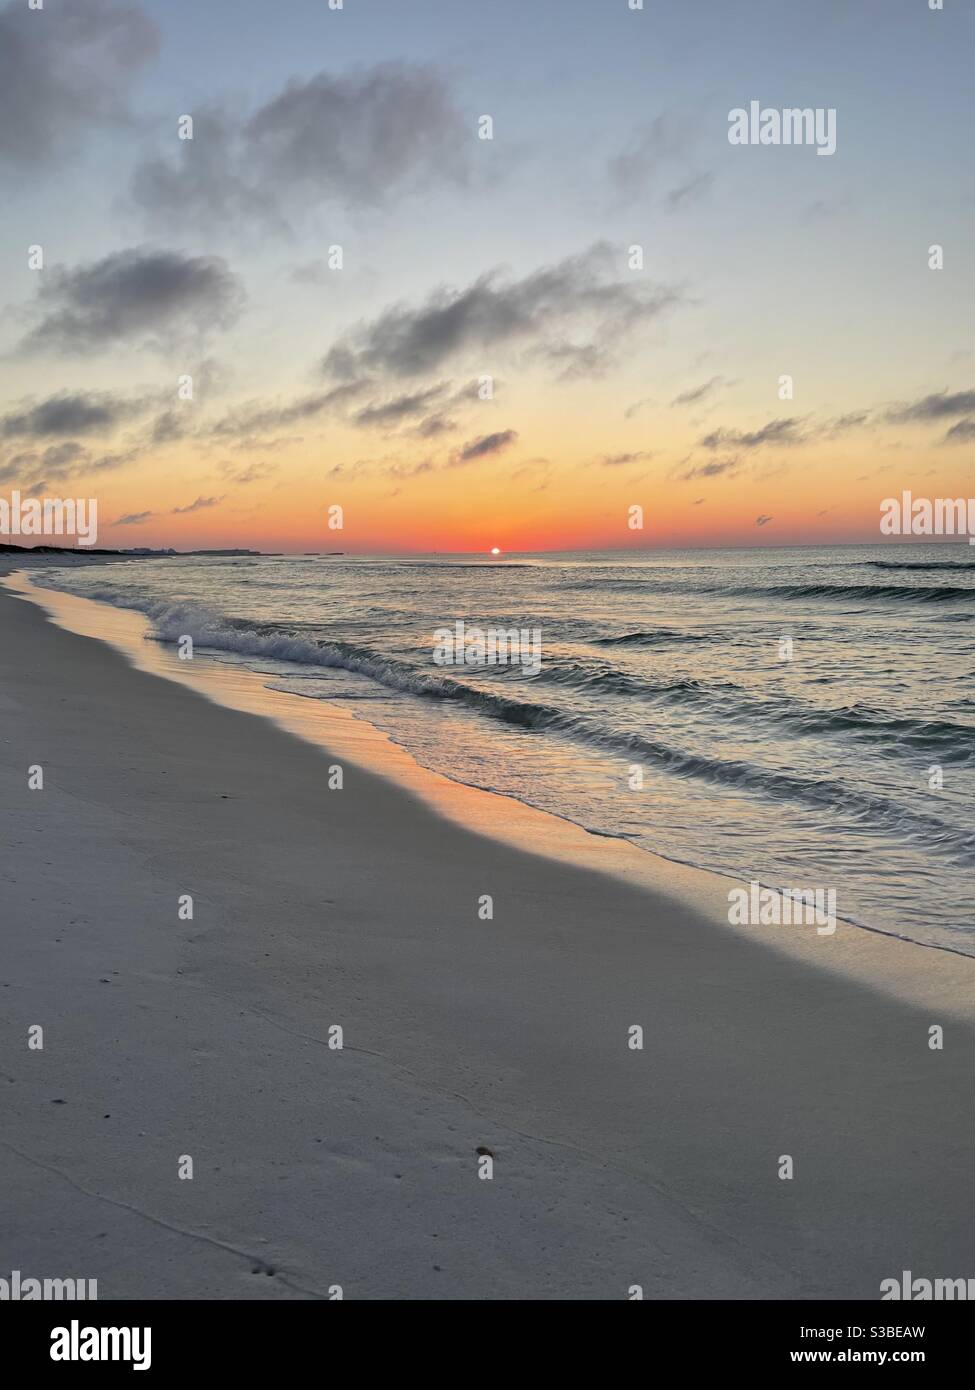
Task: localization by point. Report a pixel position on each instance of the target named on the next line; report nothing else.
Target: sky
(338, 295)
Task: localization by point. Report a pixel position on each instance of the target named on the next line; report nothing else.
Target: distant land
(142, 552)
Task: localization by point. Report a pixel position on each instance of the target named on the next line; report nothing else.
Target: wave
(464, 565)
(658, 637)
(822, 795)
(208, 629)
(869, 593)
(921, 565)
(861, 593)
(950, 742)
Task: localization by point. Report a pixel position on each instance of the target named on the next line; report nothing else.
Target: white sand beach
(317, 1168)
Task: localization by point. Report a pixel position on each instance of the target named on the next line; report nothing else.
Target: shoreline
(856, 950)
(358, 1166)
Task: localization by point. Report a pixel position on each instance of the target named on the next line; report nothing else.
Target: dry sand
(316, 1167)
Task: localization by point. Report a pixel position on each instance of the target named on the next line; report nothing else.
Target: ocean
(800, 717)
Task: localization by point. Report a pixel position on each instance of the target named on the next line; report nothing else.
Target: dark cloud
(361, 138)
(132, 519)
(486, 444)
(201, 504)
(13, 470)
(775, 432)
(253, 420)
(581, 294)
(620, 460)
(211, 183)
(435, 425)
(940, 406)
(689, 192)
(763, 520)
(64, 71)
(853, 421)
(961, 433)
(82, 412)
(392, 412)
(577, 361)
(252, 473)
(132, 295)
(698, 393)
(362, 134)
(167, 428)
(109, 462)
(408, 470)
(710, 470)
(58, 462)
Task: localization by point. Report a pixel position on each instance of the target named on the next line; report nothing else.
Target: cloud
(65, 73)
(689, 192)
(253, 420)
(637, 406)
(486, 444)
(211, 184)
(619, 460)
(940, 406)
(167, 428)
(359, 139)
(201, 504)
(763, 520)
(310, 273)
(529, 468)
(697, 393)
(578, 361)
(59, 462)
(961, 433)
(435, 425)
(842, 423)
(55, 463)
(132, 295)
(580, 294)
(80, 412)
(784, 432)
(141, 517)
(713, 469)
(408, 470)
(251, 473)
(391, 412)
(654, 144)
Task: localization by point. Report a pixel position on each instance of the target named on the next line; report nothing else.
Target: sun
(495, 550)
